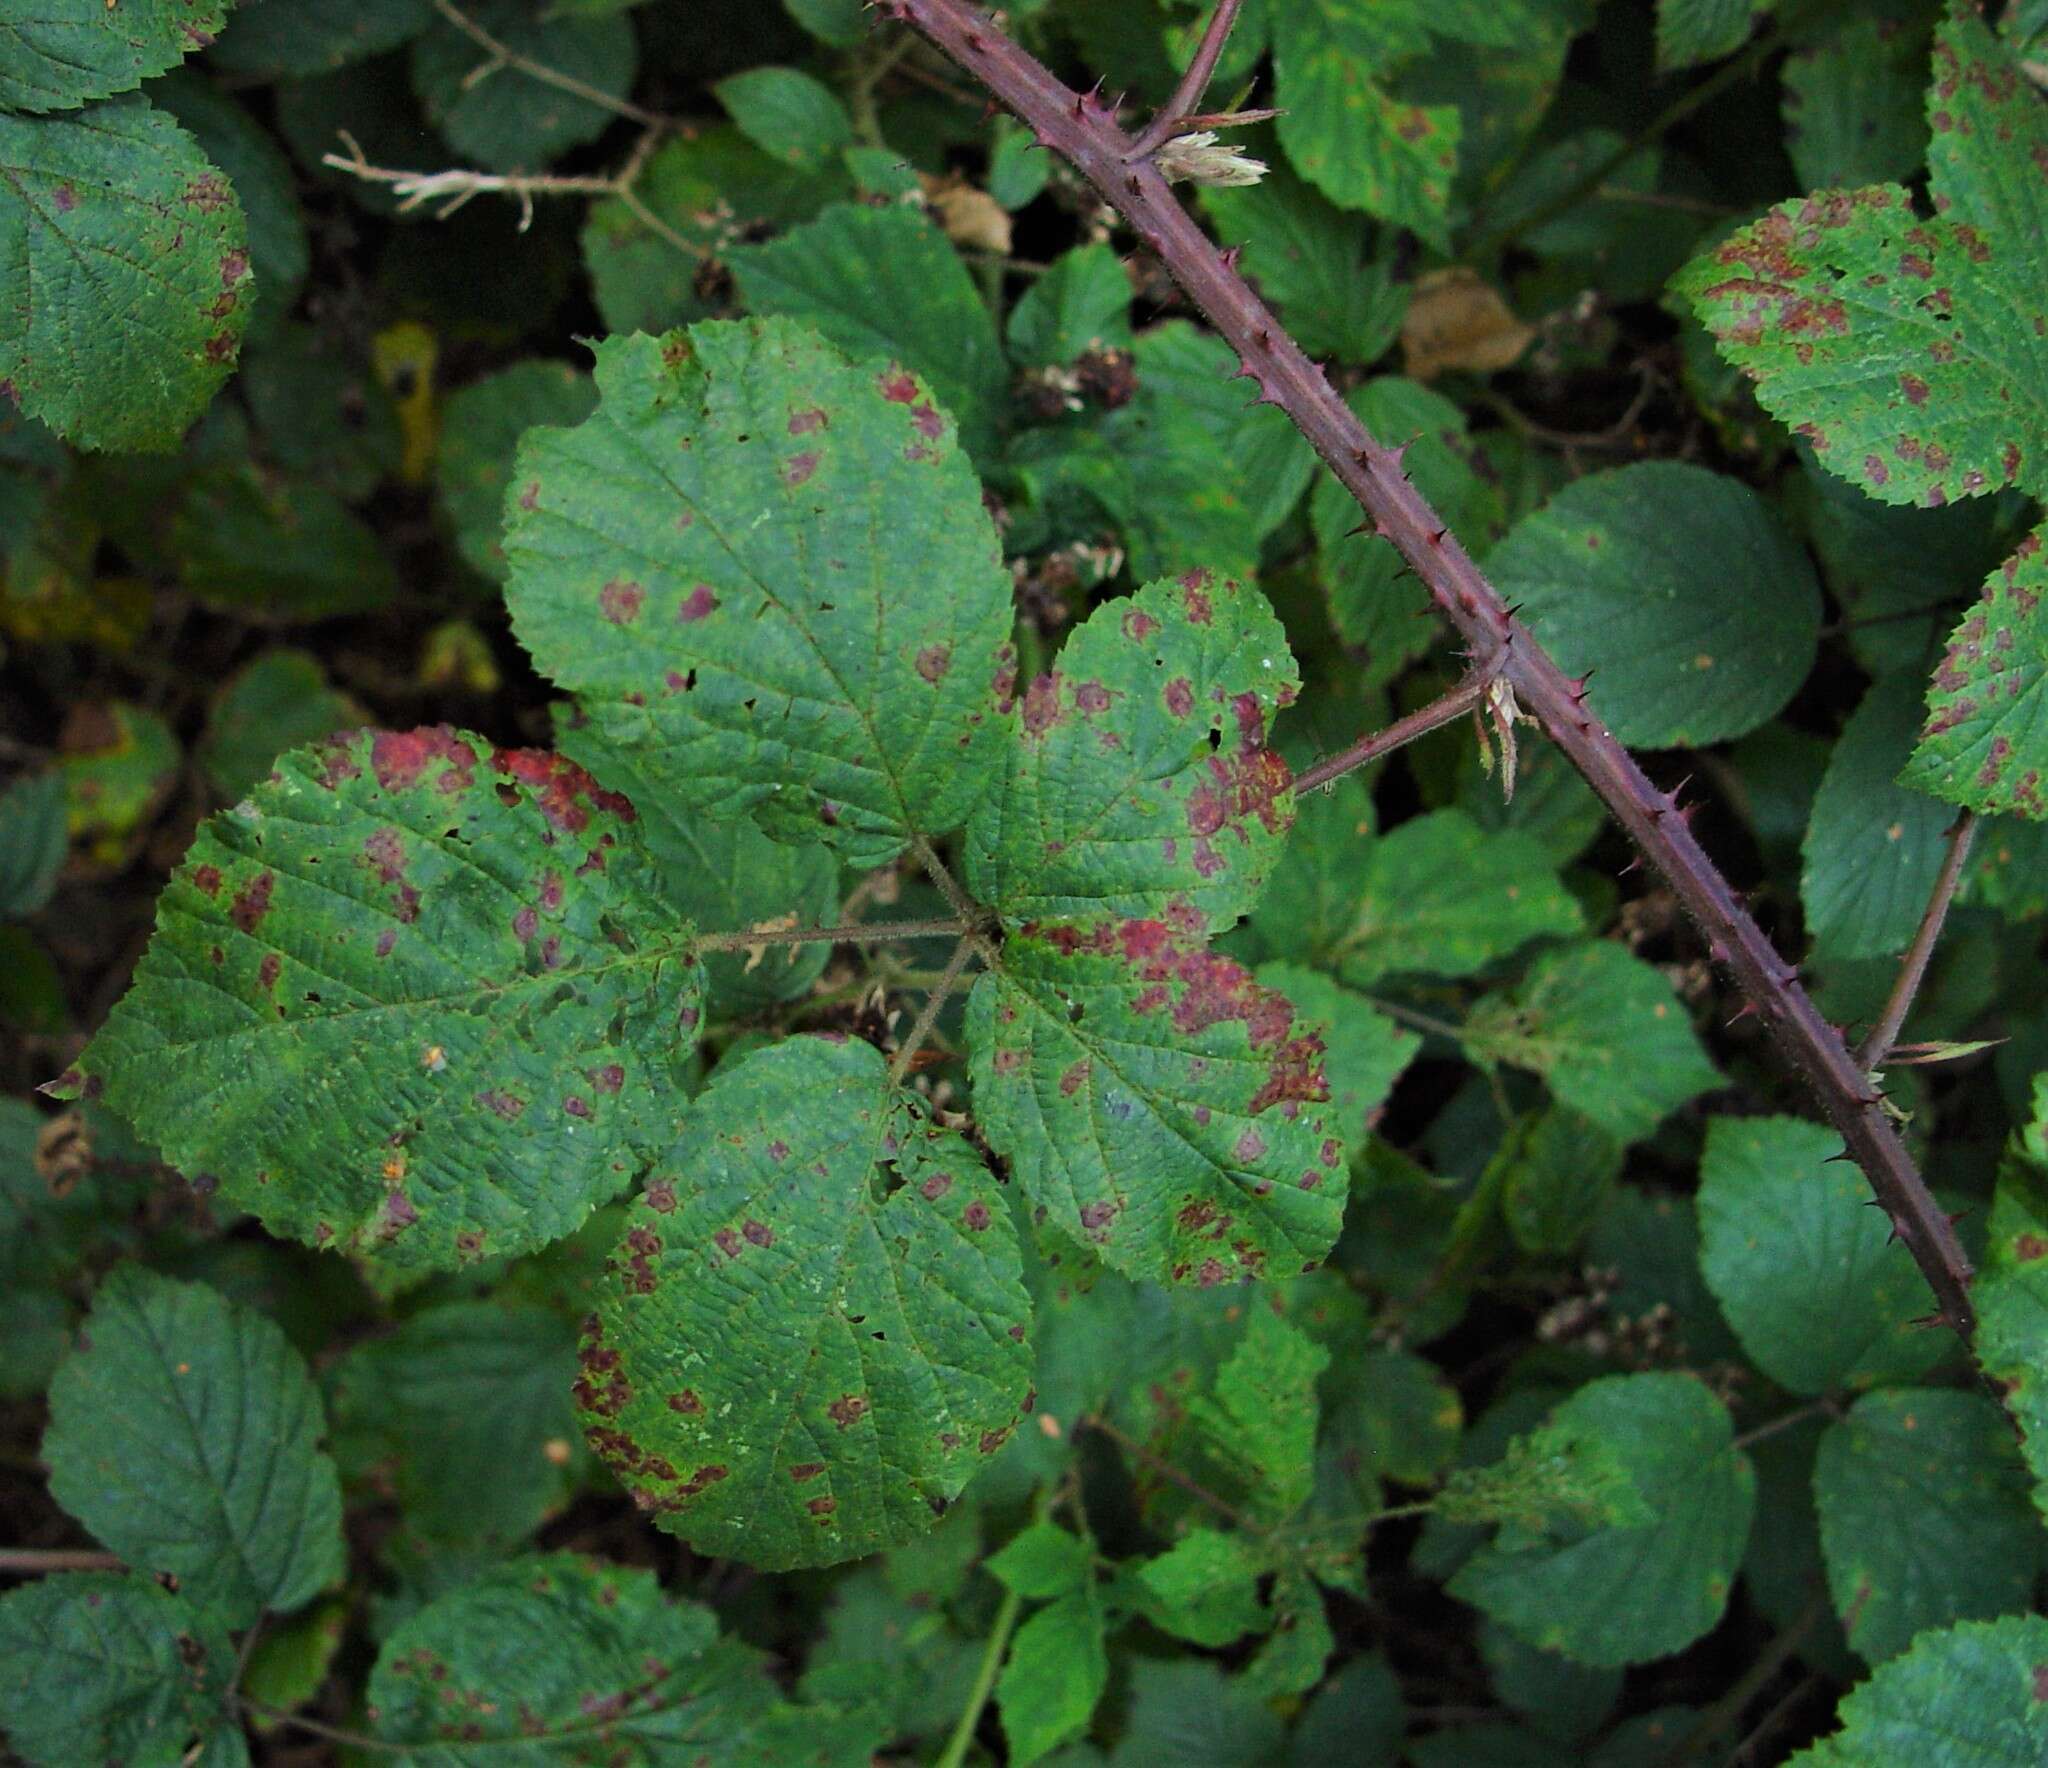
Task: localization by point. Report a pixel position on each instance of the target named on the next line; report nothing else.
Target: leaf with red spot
(413, 997)
(1985, 743)
(813, 1332)
(1139, 771)
(1168, 1112)
(58, 54)
(769, 578)
(1911, 351)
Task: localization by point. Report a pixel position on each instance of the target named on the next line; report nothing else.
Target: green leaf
(1140, 774)
(1640, 1589)
(1054, 1676)
(1909, 352)
(1365, 1051)
(1437, 897)
(725, 877)
(1165, 1109)
(841, 23)
(246, 538)
(1354, 1717)
(1683, 588)
(415, 997)
(99, 1667)
(858, 1351)
(125, 263)
(1562, 1170)
(1872, 848)
(559, 1659)
(185, 1435)
(491, 111)
(787, 115)
(1186, 1710)
(1081, 303)
(467, 1405)
(2012, 1290)
(1985, 743)
(279, 701)
(1693, 31)
(480, 430)
(1604, 1031)
(769, 576)
(1924, 1516)
(1314, 263)
(274, 38)
(1362, 148)
(58, 54)
(885, 286)
(1260, 1422)
(1969, 1697)
(292, 1662)
(898, 1656)
(32, 841)
(1562, 1699)
(1800, 1266)
(1043, 1562)
(1393, 1414)
(1204, 1589)
(1852, 99)
(113, 783)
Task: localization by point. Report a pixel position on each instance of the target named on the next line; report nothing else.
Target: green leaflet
(1912, 353)
(1641, 1587)
(124, 261)
(1968, 1697)
(788, 115)
(1924, 1518)
(185, 1434)
(271, 38)
(557, 1659)
(1140, 781)
(96, 1666)
(1985, 743)
(1260, 1422)
(1683, 586)
(415, 997)
(32, 841)
(1690, 31)
(1804, 1271)
(1205, 1588)
(1852, 105)
(769, 576)
(1365, 1051)
(812, 1334)
(1082, 302)
(58, 54)
(1188, 1710)
(1604, 1030)
(281, 700)
(480, 430)
(2012, 1291)
(1055, 1675)
(1160, 1104)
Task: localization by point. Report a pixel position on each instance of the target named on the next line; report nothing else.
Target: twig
(504, 56)
(1962, 834)
(1174, 116)
(921, 1026)
(852, 933)
(1403, 731)
(1085, 135)
(357, 1740)
(1785, 1420)
(33, 1562)
(1166, 1470)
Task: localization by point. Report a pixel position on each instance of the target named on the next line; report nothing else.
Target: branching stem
(502, 55)
(1176, 116)
(1398, 735)
(1084, 134)
(853, 933)
(921, 1027)
(1962, 835)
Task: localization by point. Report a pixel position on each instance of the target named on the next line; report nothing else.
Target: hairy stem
(1175, 114)
(921, 1027)
(1083, 132)
(1962, 835)
(853, 933)
(1398, 735)
(957, 899)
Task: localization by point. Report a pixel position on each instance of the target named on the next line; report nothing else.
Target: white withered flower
(1202, 159)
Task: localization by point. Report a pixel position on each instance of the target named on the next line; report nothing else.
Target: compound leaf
(1985, 743)
(1642, 1586)
(560, 1659)
(1800, 1267)
(812, 1334)
(414, 996)
(769, 576)
(1683, 586)
(124, 261)
(1166, 1110)
(1924, 1517)
(185, 1435)
(99, 1667)
(1140, 775)
(1912, 353)
(1969, 1697)
(58, 54)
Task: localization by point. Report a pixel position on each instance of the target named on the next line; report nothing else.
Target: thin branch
(1166, 1470)
(1403, 731)
(1962, 834)
(1088, 138)
(853, 933)
(921, 1027)
(34, 1562)
(1822, 1408)
(1174, 115)
(992, 1654)
(356, 1740)
(504, 56)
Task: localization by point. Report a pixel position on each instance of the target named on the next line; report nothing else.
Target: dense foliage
(705, 1094)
